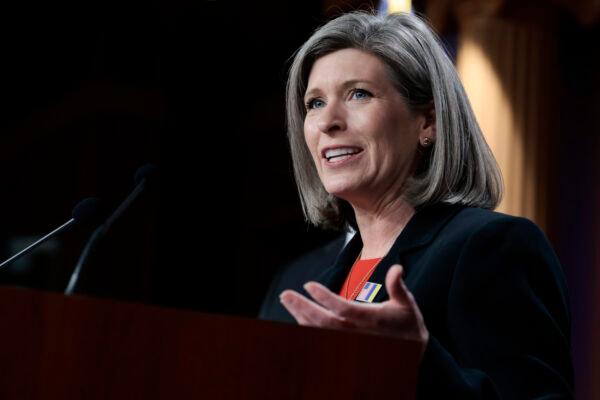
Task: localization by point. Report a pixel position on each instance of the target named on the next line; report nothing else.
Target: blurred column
(509, 67)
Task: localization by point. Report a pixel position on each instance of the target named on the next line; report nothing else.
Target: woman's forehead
(345, 67)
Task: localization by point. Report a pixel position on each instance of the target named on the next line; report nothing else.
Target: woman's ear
(427, 135)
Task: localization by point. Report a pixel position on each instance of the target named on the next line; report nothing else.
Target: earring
(426, 142)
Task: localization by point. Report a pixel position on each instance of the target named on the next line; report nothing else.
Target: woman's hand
(399, 316)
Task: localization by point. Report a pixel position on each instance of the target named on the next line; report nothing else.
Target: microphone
(142, 178)
(86, 211)
(145, 173)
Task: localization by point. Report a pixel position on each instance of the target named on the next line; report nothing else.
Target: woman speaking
(385, 143)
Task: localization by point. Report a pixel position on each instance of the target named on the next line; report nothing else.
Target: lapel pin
(368, 292)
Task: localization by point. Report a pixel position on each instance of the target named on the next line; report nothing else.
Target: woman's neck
(380, 226)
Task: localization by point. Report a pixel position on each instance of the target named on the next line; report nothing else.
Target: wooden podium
(61, 347)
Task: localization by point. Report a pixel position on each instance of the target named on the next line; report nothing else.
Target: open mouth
(340, 153)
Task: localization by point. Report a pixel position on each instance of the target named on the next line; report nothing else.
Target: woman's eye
(314, 103)
(361, 94)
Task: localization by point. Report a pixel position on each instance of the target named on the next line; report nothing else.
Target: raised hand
(399, 316)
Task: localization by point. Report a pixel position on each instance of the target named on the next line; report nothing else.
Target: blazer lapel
(420, 231)
(333, 277)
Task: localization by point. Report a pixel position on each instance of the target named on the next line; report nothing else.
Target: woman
(384, 141)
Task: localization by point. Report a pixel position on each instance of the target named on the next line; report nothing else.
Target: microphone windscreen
(145, 172)
(89, 211)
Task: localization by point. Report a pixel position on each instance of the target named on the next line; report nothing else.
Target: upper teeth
(340, 151)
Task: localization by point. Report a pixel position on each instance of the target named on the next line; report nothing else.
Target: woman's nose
(331, 119)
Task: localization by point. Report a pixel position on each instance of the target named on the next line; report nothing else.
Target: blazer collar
(422, 228)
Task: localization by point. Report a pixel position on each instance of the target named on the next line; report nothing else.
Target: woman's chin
(343, 192)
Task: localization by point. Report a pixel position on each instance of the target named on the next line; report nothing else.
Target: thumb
(395, 285)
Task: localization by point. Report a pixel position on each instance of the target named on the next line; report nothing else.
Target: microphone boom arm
(39, 241)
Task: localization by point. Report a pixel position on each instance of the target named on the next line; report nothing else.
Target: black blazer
(492, 294)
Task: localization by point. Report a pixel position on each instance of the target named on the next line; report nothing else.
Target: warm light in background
(506, 68)
(495, 115)
(394, 6)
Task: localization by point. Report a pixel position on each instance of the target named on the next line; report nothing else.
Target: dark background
(93, 90)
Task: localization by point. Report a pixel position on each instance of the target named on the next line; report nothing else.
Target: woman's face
(358, 128)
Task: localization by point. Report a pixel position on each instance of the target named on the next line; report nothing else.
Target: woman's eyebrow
(351, 82)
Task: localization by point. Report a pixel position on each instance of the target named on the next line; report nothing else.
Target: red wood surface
(57, 347)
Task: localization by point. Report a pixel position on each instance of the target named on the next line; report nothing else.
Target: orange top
(359, 274)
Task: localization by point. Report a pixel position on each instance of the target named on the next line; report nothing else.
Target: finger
(396, 287)
(337, 304)
(290, 305)
(308, 312)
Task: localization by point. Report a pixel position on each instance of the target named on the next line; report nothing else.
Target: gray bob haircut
(458, 169)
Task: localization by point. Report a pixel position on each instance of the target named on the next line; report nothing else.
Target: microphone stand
(38, 242)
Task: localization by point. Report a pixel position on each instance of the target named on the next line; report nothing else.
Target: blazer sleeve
(508, 321)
